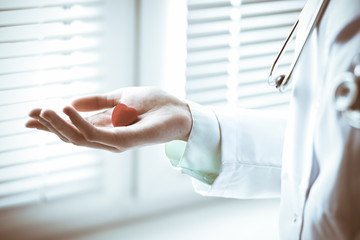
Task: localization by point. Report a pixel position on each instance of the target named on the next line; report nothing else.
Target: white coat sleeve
(200, 156)
(251, 155)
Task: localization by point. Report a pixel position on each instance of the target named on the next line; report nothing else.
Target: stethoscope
(346, 95)
(281, 82)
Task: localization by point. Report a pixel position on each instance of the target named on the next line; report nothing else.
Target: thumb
(96, 102)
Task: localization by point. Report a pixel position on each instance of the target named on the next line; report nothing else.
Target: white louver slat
(21, 4)
(50, 50)
(231, 46)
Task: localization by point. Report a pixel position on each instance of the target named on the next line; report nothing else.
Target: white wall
(162, 64)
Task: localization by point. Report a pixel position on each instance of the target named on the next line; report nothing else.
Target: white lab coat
(314, 155)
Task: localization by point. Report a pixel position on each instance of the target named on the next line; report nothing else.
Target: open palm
(162, 118)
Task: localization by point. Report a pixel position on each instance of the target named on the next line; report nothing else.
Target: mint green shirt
(200, 157)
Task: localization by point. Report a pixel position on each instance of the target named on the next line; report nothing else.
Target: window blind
(231, 45)
(50, 51)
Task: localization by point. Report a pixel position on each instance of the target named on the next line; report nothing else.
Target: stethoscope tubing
(284, 79)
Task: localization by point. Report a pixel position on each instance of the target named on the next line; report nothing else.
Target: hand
(162, 118)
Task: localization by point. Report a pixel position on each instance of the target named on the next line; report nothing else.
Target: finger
(70, 132)
(90, 132)
(87, 129)
(33, 123)
(41, 123)
(35, 113)
(60, 126)
(45, 123)
(37, 121)
(97, 102)
(40, 119)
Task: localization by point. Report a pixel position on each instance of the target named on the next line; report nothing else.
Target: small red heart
(123, 115)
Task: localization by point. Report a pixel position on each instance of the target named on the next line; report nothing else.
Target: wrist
(188, 121)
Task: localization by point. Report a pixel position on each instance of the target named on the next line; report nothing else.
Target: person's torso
(315, 184)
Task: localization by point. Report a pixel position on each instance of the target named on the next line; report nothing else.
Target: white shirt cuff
(200, 157)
